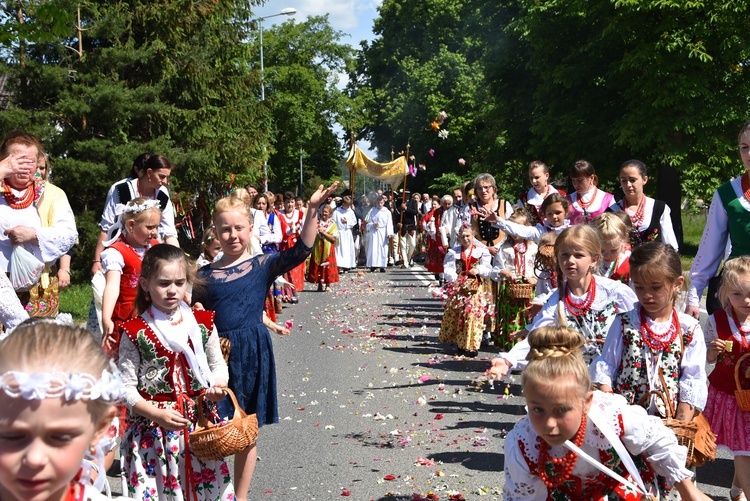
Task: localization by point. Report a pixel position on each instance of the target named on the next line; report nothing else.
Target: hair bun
(553, 342)
(551, 352)
(242, 195)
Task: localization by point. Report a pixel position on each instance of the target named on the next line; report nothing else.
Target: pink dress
(729, 423)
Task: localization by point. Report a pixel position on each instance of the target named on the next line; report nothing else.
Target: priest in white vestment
(380, 229)
(345, 219)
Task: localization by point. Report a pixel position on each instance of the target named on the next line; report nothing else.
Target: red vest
(288, 241)
(622, 273)
(722, 377)
(164, 374)
(131, 271)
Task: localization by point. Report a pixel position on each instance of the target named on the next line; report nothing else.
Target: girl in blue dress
(235, 288)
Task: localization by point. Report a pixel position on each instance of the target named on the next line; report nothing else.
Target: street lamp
(284, 12)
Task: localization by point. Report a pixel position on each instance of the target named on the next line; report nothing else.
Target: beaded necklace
(32, 194)
(586, 205)
(560, 468)
(546, 191)
(658, 342)
(75, 492)
(170, 318)
(637, 218)
(580, 308)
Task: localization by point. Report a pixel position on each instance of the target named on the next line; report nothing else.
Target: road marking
(422, 275)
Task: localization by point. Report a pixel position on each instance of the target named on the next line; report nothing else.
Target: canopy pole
(403, 206)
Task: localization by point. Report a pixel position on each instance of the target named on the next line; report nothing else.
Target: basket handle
(737, 370)
(664, 394)
(238, 412)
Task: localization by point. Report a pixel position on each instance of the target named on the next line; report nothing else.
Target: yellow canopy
(392, 173)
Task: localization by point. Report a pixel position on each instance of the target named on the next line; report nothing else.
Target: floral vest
(593, 326)
(463, 266)
(622, 273)
(722, 377)
(156, 370)
(652, 233)
(635, 367)
(534, 211)
(125, 305)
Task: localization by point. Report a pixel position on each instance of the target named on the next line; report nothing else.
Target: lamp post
(284, 12)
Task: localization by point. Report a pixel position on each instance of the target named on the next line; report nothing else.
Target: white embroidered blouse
(692, 380)
(608, 292)
(639, 432)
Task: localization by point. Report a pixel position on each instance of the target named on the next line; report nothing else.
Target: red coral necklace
(657, 342)
(22, 202)
(580, 308)
(586, 205)
(637, 218)
(561, 468)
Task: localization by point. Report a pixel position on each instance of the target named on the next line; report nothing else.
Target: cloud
(354, 17)
(342, 13)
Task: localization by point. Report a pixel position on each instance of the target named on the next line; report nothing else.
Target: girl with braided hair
(576, 443)
(582, 301)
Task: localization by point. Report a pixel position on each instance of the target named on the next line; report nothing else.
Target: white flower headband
(76, 386)
(134, 208)
(131, 208)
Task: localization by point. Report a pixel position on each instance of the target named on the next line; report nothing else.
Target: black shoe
(372, 270)
(382, 270)
(471, 353)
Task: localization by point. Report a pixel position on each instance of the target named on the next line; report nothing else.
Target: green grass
(76, 300)
(692, 230)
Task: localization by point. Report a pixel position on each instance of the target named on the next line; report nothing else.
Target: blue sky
(352, 17)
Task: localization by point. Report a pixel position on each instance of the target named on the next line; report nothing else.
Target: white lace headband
(131, 208)
(135, 208)
(77, 386)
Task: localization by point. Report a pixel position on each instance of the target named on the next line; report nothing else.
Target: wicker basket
(212, 441)
(695, 435)
(520, 290)
(742, 396)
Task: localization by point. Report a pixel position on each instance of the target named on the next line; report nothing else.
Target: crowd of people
(578, 291)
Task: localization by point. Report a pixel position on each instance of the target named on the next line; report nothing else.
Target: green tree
(303, 62)
(430, 56)
(663, 81)
(166, 76)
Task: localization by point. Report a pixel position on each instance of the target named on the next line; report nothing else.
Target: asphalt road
(373, 408)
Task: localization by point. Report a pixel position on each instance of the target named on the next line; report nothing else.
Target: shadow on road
(475, 460)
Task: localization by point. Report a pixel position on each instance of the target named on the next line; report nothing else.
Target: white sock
(735, 491)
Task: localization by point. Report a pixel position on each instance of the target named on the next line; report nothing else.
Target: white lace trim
(76, 386)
